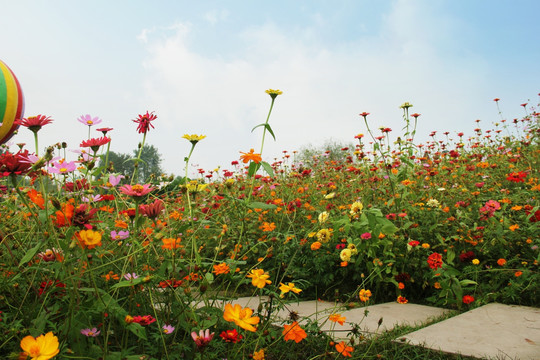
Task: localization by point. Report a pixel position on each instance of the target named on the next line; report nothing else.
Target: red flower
(144, 122)
(467, 299)
(231, 336)
(153, 210)
(14, 164)
(364, 114)
(95, 143)
(34, 123)
(517, 177)
(144, 320)
(435, 261)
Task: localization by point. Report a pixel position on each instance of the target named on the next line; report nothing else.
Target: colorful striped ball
(11, 102)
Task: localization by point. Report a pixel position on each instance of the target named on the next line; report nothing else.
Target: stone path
(493, 331)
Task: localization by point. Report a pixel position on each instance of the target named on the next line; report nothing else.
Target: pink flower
(89, 120)
(90, 332)
(120, 235)
(203, 338)
(366, 236)
(136, 191)
(62, 167)
(113, 181)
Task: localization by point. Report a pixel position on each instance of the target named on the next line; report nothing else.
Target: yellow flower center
(137, 188)
(63, 169)
(90, 122)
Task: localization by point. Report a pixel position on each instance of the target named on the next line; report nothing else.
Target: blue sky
(203, 66)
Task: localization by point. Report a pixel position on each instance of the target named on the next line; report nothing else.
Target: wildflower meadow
(96, 265)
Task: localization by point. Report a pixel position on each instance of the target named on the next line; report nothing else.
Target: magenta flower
(136, 191)
(131, 276)
(144, 122)
(90, 332)
(62, 167)
(114, 180)
(203, 338)
(89, 120)
(120, 235)
(92, 198)
(167, 329)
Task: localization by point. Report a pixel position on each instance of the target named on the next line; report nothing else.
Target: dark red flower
(14, 164)
(467, 256)
(144, 320)
(153, 210)
(231, 336)
(105, 130)
(144, 122)
(78, 185)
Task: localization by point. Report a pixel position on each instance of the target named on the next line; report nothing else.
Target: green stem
(136, 170)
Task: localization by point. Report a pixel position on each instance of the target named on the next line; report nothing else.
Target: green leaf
(253, 167)
(267, 127)
(127, 283)
(138, 330)
(268, 168)
(467, 282)
(30, 254)
(261, 205)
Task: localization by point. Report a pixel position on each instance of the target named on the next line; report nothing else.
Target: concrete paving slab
(389, 314)
(493, 331)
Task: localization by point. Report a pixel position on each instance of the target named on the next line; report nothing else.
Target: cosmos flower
(44, 347)
(259, 278)
(89, 120)
(136, 191)
(168, 329)
(241, 316)
(90, 332)
(293, 332)
(203, 338)
(250, 156)
(62, 167)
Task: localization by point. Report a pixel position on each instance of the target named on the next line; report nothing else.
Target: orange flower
(518, 273)
(250, 156)
(258, 355)
(267, 226)
(402, 300)
(221, 269)
(337, 318)
(294, 332)
(241, 316)
(501, 262)
(344, 350)
(401, 286)
(514, 227)
(36, 198)
(364, 295)
(171, 243)
(316, 245)
(120, 224)
(44, 347)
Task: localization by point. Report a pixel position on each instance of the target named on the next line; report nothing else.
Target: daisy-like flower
(105, 130)
(193, 138)
(289, 287)
(113, 181)
(131, 276)
(168, 329)
(34, 123)
(44, 347)
(259, 278)
(62, 167)
(343, 349)
(273, 93)
(144, 122)
(250, 156)
(14, 164)
(89, 120)
(90, 332)
(293, 332)
(241, 316)
(95, 143)
(136, 191)
(120, 235)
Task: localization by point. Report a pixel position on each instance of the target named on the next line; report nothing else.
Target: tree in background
(149, 166)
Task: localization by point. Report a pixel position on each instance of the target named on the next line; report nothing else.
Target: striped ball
(11, 102)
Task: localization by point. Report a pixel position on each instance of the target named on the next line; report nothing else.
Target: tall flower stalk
(144, 124)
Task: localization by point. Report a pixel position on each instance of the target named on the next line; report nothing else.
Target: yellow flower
(258, 355)
(43, 347)
(405, 105)
(425, 245)
(330, 196)
(353, 249)
(289, 287)
(241, 316)
(259, 278)
(364, 295)
(324, 235)
(345, 255)
(193, 138)
(476, 261)
(273, 93)
(323, 217)
(356, 207)
(194, 186)
(89, 238)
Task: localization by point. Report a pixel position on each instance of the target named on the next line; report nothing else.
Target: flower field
(94, 265)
